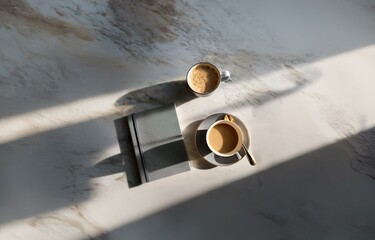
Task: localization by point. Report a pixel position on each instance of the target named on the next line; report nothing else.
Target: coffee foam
(203, 78)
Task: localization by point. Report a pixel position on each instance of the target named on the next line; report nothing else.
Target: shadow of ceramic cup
(108, 166)
(195, 159)
(156, 95)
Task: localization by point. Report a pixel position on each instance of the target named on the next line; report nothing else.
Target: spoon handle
(251, 158)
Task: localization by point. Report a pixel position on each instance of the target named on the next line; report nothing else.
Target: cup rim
(239, 133)
(203, 63)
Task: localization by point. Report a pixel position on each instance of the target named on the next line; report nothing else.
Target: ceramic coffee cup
(204, 78)
(224, 138)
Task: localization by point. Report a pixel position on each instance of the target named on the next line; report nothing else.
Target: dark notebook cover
(158, 143)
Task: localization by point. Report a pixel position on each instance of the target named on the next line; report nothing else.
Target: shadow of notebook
(158, 143)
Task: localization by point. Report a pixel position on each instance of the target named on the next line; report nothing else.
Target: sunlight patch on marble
(55, 117)
(36, 122)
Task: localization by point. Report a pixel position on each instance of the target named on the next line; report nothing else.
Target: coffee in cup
(203, 78)
(224, 138)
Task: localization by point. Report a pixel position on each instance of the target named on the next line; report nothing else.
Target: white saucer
(205, 152)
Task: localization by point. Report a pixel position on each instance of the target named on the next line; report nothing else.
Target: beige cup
(204, 78)
(224, 138)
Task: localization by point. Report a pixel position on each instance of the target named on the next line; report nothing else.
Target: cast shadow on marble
(108, 166)
(156, 96)
(317, 195)
(50, 170)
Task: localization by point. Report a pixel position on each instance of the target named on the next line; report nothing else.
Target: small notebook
(158, 143)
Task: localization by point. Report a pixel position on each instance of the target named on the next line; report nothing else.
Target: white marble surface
(303, 83)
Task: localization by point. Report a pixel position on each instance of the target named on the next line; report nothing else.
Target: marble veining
(302, 83)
